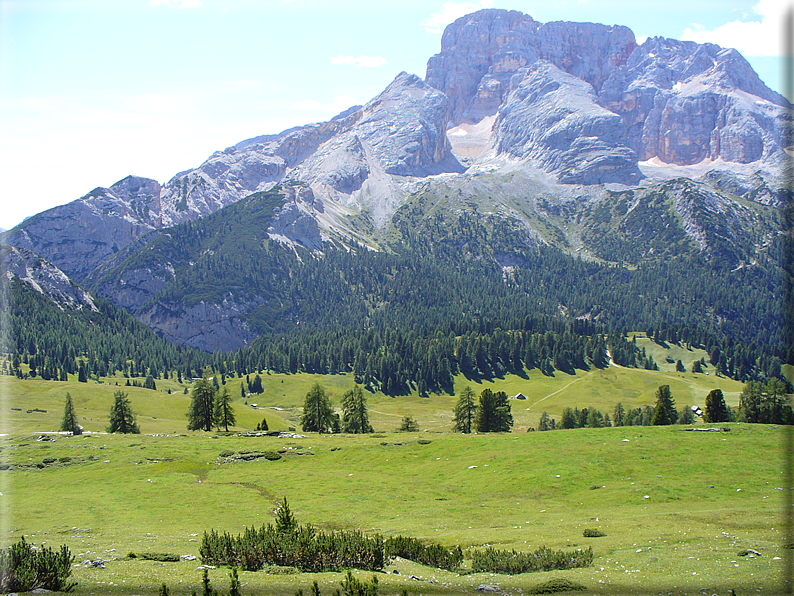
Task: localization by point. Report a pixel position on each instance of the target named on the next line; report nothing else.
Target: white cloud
(359, 61)
(435, 23)
(762, 36)
(180, 3)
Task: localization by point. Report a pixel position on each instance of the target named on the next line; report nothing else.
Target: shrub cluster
(492, 560)
(426, 554)
(304, 548)
(24, 568)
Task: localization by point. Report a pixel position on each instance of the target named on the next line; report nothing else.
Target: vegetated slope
(459, 290)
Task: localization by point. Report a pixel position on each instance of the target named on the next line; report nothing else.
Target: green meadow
(676, 507)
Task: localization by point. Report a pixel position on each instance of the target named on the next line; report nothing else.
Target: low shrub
(272, 455)
(304, 548)
(24, 568)
(554, 586)
(226, 453)
(592, 533)
(162, 557)
(426, 554)
(512, 562)
(49, 460)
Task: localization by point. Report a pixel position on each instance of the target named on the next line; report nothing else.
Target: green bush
(49, 460)
(24, 568)
(304, 548)
(592, 533)
(554, 586)
(426, 554)
(162, 557)
(492, 560)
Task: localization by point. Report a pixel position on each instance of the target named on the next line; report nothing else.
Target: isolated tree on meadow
(664, 413)
(545, 422)
(201, 414)
(465, 411)
(354, 412)
(224, 413)
(318, 413)
(493, 413)
(408, 424)
(69, 423)
(285, 520)
(122, 418)
(716, 410)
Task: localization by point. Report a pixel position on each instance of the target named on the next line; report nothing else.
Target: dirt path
(559, 390)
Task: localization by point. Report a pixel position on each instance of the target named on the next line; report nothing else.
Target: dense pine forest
(439, 302)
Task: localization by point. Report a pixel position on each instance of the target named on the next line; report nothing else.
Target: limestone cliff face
(681, 102)
(553, 119)
(81, 234)
(684, 102)
(480, 52)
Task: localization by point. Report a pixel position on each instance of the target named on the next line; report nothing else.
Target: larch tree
(318, 413)
(201, 415)
(224, 413)
(122, 418)
(355, 418)
(465, 411)
(69, 423)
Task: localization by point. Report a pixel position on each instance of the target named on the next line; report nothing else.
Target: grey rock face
(480, 52)
(44, 277)
(294, 222)
(205, 326)
(401, 132)
(681, 102)
(81, 234)
(553, 118)
(684, 102)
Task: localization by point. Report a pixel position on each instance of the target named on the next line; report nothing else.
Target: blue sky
(94, 90)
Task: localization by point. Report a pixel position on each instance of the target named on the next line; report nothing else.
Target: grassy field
(676, 506)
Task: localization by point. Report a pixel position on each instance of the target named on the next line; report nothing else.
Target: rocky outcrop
(480, 52)
(681, 102)
(206, 326)
(44, 277)
(553, 119)
(80, 235)
(684, 102)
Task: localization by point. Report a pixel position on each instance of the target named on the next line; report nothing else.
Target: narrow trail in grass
(386, 413)
(559, 390)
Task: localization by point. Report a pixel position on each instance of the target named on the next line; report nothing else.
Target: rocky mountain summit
(567, 134)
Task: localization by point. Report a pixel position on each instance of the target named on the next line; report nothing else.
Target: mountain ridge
(627, 155)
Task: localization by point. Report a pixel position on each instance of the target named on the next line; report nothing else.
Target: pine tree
(408, 424)
(354, 412)
(318, 413)
(69, 423)
(493, 413)
(201, 415)
(465, 411)
(224, 413)
(716, 410)
(545, 422)
(122, 418)
(285, 521)
(664, 413)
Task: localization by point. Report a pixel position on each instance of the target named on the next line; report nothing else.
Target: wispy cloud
(359, 61)
(760, 35)
(435, 23)
(180, 3)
